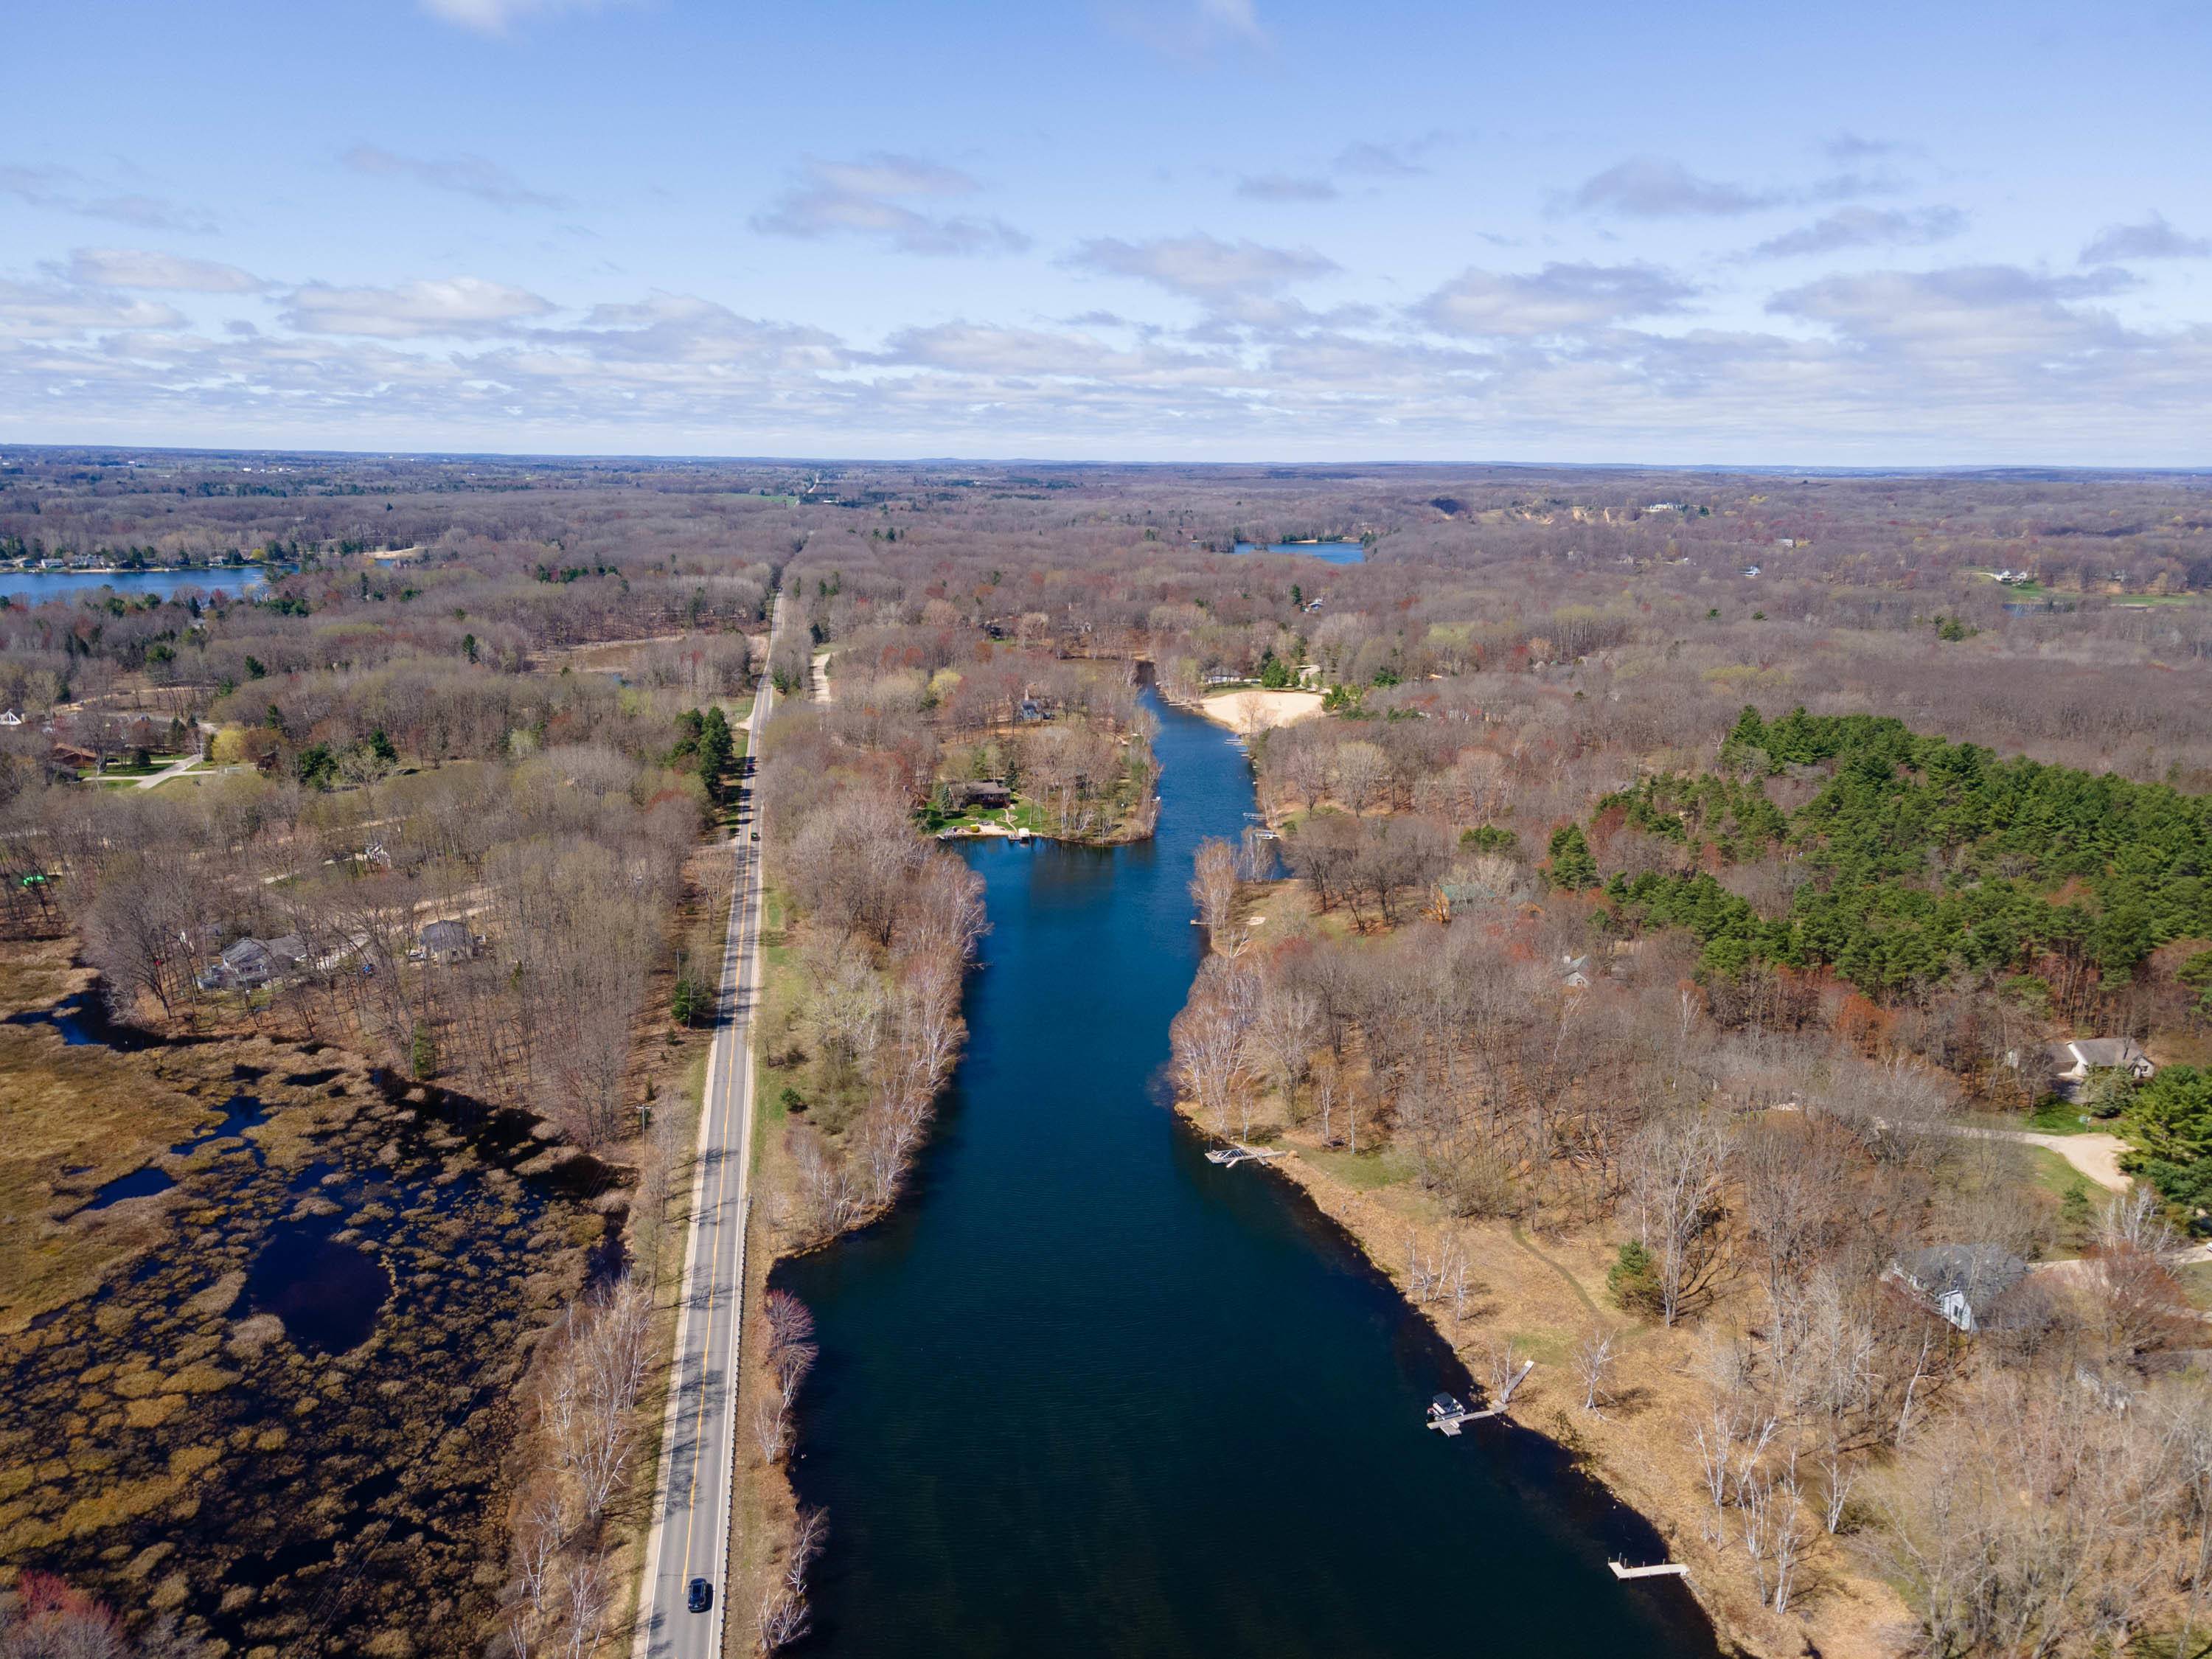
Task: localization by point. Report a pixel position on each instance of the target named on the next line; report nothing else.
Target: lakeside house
(989, 793)
(1964, 1283)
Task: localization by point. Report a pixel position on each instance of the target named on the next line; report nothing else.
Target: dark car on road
(702, 1596)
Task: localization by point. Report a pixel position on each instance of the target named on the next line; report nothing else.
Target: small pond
(328, 1291)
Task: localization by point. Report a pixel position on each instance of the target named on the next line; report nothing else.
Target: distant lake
(1327, 552)
(37, 586)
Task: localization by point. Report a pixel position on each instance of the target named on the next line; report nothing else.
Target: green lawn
(131, 770)
(1365, 1171)
(2054, 1174)
(2054, 1116)
(1021, 815)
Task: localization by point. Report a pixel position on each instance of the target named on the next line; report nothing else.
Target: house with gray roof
(249, 963)
(2072, 1061)
(1964, 1283)
(447, 942)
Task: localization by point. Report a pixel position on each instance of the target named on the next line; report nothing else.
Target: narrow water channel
(1086, 1394)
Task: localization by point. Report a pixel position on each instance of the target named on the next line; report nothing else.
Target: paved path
(691, 1534)
(175, 768)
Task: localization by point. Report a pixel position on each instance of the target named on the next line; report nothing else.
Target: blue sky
(1116, 229)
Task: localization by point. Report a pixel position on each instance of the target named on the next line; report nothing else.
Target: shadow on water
(1086, 1394)
(83, 1022)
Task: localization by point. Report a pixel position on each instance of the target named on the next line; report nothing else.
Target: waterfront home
(989, 793)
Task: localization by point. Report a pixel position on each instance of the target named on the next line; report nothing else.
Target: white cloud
(1847, 146)
(464, 175)
(1863, 227)
(2154, 238)
(498, 16)
(54, 312)
(1238, 19)
(141, 268)
(1990, 319)
(1200, 267)
(1192, 30)
(869, 197)
(64, 190)
(1285, 187)
(452, 306)
(1653, 188)
(685, 328)
(1560, 299)
(1400, 160)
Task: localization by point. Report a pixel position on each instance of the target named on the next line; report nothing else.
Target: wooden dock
(1237, 1152)
(1664, 1570)
(1450, 1423)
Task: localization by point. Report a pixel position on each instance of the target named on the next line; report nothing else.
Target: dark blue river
(1085, 1394)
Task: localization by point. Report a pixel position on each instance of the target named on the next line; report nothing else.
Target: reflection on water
(327, 1291)
(36, 588)
(1085, 1394)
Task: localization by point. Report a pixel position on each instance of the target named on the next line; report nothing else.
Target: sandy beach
(1251, 711)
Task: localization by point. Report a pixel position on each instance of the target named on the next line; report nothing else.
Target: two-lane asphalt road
(691, 1534)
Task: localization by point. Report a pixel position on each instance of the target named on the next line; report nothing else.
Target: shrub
(1633, 1281)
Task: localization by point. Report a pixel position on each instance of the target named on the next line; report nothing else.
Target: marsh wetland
(262, 1320)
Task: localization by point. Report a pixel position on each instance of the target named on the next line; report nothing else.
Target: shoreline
(1634, 1450)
